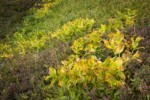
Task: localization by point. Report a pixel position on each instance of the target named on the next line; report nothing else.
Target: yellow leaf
(61, 71)
(112, 42)
(106, 43)
(138, 39)
(61, 83)
(52, 72)
(136, 55)
(119, 63)
(121, 75)
(135, 42)
(126, 56)
(119, 48)
(103, 28)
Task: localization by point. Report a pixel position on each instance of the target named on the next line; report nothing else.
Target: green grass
(100, 10)
(68, 10)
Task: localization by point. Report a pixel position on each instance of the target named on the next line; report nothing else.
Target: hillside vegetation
(75, 50)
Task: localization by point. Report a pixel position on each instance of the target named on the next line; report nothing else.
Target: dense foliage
(91, 72)
(74, 49)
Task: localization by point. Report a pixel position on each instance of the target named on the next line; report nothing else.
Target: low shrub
(72, 30)
(84, 75)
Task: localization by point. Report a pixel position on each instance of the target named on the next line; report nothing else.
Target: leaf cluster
(84, 75)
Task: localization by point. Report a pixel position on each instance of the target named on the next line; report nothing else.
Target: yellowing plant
(5, 51)
(88, 44)
(31, 42)
(21, 43)
(89, 72)
(122, 20)
(74, 29)
(84, 73)
(115, 42)
(45, 7)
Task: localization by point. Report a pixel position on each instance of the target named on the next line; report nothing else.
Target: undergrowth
(96, 69)
(90, 44)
